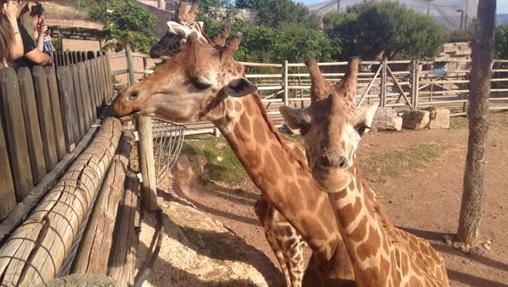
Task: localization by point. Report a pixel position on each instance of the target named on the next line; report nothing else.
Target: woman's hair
(5, 36)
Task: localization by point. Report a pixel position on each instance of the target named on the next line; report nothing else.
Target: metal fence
(403, 84)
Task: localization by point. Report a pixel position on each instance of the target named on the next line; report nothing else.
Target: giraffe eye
(200, 84)
(362, 128)
(304, 129)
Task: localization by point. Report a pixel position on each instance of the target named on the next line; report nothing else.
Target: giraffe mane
(378, 209)
(280, 139)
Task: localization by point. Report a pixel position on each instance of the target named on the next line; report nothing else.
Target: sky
(502, 5)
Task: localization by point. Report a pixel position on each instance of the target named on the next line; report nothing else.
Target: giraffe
(178, 32)
(382, 255)
(203, 82)
(286, 243)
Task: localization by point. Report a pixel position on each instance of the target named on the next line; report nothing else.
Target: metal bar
(286, 88)
(362, 98)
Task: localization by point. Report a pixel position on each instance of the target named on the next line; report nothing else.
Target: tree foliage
(501, 46)
(277, 13)
(388, 27)
(264, 44)
(127, 25)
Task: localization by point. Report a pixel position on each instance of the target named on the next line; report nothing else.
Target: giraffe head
(193, 84)
(179, 31)
(332, 126)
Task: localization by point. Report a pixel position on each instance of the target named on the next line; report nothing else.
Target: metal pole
(286, 88)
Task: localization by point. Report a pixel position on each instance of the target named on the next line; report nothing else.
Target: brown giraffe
(382, 255)
(204, 82)
(286, 243)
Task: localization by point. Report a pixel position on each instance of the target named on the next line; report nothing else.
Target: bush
(127, 25)
(501, 45)
(391, 28)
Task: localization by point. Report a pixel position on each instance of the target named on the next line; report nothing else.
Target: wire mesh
(167, 142)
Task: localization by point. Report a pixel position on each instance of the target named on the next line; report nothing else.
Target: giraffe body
(381, 254)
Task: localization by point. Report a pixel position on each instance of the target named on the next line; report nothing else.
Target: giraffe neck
(365, 234)
(281, 174)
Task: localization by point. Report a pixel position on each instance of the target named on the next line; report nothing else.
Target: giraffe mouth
(332, 181)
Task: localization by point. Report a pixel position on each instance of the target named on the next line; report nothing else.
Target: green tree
(388, 27)
(296, 44)
(468, 232)
(501, 46)
(291, 42)
(127, 25)
(277, 13)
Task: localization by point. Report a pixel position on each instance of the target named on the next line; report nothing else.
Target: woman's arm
(40, 30)
(10, 9)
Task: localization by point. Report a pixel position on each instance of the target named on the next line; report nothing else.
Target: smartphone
(37, 10)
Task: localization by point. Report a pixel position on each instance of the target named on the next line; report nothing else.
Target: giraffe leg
(285, 242)
(280, 257)
(294, 259)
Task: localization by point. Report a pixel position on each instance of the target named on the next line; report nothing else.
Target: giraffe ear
(239, 87)
(364, 117)
(295, 118)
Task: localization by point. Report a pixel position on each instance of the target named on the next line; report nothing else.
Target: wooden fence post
(130, 66)
(415, 82)
(383, 83)
(15, 135)
(145, 152)
(147, 163)
(7, 192)
(286, 88)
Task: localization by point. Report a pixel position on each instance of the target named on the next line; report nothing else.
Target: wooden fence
(55, 153)
(46, 113)
(402, 84)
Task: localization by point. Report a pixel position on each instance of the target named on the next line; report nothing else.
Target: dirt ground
(423, 199)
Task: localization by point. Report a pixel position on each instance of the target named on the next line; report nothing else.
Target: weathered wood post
(383, 83)
(145, 152)
(415, 82)
(286, 88)
(147, 163)
(130, 67)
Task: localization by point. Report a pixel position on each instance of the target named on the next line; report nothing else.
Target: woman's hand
(10, 9)
(41, 25)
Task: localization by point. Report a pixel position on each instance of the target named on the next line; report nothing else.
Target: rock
(387, 119)
(82, 280)
(221, 145)
(415, 120)
(439, 118)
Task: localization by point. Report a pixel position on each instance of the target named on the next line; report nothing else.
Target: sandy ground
(425, 202)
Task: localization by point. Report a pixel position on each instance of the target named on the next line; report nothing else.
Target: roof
(66, 14)
(446, 12)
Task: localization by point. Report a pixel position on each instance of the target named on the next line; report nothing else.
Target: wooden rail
(403, 84)
(34, 253)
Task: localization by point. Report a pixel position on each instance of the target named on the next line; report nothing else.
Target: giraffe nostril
(133, 95)
(342, 162)
(325, 161)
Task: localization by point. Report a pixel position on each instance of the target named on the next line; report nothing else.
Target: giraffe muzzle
(327, 161)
